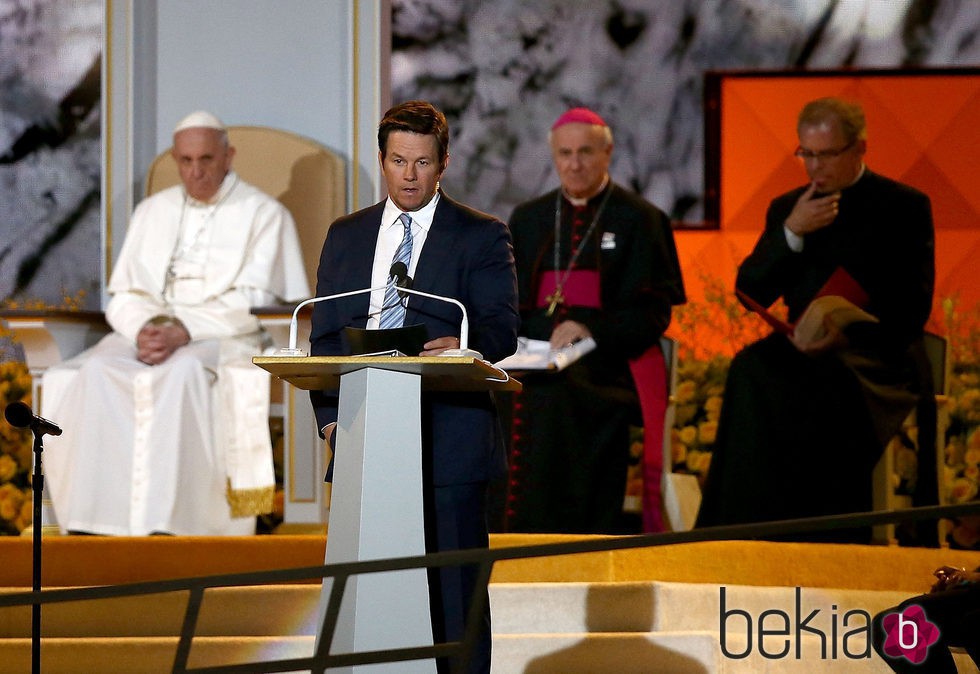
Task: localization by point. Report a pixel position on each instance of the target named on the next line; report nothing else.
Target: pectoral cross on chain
(555, 299)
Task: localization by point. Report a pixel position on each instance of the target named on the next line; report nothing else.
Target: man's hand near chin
(155, 343)
(812, 213)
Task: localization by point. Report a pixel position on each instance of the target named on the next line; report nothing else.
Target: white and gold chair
(681, 491)
(309, 180)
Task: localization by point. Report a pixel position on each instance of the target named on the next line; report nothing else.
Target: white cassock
(182, 447)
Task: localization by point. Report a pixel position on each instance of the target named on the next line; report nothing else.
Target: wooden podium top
(439, 373)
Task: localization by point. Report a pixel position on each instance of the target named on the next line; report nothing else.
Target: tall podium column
(376, 508)
(376, 512)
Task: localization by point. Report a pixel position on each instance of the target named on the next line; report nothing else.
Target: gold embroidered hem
(247, 502)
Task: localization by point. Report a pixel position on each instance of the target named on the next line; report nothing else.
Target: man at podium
(452, 251)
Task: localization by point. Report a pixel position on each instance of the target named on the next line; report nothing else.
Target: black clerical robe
(799, 435)
(570, 439)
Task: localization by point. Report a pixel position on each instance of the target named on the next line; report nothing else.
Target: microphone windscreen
(19, 414)
(398, 270)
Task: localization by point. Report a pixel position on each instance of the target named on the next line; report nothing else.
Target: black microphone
(19, 414)
(402, 279)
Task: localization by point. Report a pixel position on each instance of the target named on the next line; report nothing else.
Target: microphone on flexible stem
(291, 350)
(404, 282)
(19, 414)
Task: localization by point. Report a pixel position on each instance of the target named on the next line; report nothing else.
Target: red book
(778, 324)
(840, 283)
(843, 285)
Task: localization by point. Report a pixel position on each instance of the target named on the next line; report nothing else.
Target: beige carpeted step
(100, 560)
(538, 627)
(692, 652)
(287, 610)
(644, 610)
(527, 608)
(144, 655)
(636, 653)
(676, 627)
(518, 608)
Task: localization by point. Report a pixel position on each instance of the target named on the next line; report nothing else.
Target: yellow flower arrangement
(962, 450)
(697, 405)
(15, 447)
(717, 325)
(16, 444)
(8, 468)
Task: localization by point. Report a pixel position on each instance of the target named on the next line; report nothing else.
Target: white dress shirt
(389, 237)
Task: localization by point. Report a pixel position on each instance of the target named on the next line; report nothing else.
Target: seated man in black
(804, 422)
(915, 636)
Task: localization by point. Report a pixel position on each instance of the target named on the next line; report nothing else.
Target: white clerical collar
(422, 217)
(859, 175)
(227, 185)
(582, 201)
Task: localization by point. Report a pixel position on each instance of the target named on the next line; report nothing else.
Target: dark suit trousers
(460, 518)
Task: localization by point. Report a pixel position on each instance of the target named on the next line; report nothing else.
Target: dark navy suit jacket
(467, 256)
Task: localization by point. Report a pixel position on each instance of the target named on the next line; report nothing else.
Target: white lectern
(376, 505)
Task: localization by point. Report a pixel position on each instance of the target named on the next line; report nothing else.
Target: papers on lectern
(537, 354)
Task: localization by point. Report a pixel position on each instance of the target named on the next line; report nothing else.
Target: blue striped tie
(393, 311)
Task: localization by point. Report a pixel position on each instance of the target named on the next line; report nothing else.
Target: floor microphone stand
(20, 415)
(37, 489)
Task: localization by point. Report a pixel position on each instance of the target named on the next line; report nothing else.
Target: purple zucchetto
(579, 116)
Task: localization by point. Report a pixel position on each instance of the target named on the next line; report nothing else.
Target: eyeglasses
(822, 154)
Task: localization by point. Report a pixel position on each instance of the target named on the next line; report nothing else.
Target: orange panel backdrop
(923, 129)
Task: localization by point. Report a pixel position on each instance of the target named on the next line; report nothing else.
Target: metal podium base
(375, 513)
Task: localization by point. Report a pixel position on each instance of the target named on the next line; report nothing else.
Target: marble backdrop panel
(503, 70)
(50, 151)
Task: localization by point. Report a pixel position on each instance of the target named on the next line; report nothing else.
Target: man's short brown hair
(416, 117)
(849, 115)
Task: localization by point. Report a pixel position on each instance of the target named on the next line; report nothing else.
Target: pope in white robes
(166, 419)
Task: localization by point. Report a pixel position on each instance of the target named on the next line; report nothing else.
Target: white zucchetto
(199, 119)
